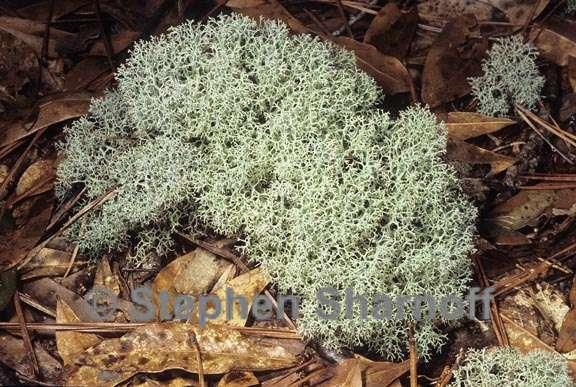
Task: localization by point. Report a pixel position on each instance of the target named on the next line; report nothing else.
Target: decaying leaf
(362, 372)
(120, 42)
(36, 179)
(247, 286)
(70, 344)
(465, 125)
(572, 72)
(59, 109)
(31, 219)
(158, 347)
(392, 30)
(458, 150)
(238, 379)
(525, 326)
(451, 60)
(47, 292)
(8, 281)
(104, 277)
(439, 12)
(556, 41)
(526, 207)
(388, 71)
(269, 9)
(13, 353)
(194, 273)
(567, 335)
(48, 262)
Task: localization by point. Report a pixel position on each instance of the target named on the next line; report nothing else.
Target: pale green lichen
(509, 367)
(274, 138)
(510, 77)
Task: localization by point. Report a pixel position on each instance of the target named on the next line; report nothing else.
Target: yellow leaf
(70, 344)
(465, 125)
(158, 347)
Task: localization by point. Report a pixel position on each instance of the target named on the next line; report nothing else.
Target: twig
(16, 166)
(46, 38)
(25, 298)
(497, 323)
(199, 360)
(448, 371)
(26, 335)
(413, 356)
(104, 327)
(533, 127)
(344, 18)
(93, 204)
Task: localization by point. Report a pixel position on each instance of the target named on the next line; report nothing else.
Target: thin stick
(95, 203)
(199, 360)
(26, 335)
(344, 18)
(413, 356)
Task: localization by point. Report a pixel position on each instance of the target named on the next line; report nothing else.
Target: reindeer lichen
(253, 132)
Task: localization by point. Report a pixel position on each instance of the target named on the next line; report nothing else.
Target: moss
(254, 132)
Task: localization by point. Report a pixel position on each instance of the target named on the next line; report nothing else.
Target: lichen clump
(510, 77)
(274, 138)
(511, 368)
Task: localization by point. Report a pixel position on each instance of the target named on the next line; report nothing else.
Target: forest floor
(520, 171)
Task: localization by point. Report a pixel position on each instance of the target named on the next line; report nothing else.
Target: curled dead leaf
(451, 60)
(458, 150)
(388, 71)
(556, 40)
(392, 30)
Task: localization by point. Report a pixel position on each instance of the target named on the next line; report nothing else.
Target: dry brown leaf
(31, 219)
(48, 262)
(451, 60)
(120, 42)
(526, 207)
(37, 179)
(238, 379)
(556, 41)
(85, 72)
(61, 108)
(104, 277)
(389, 72)
(465, 125)
(247, 286)
(158, 347)
(363, 372)
(269, 9)
(194, 273)
(462, 151)
(161, 381)
(572, 72)
(70, 344)
(518, 12)
(47, 292)
(567, 334)
(391, 31)
(14, 354)
(8, 285)
(439, 12)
